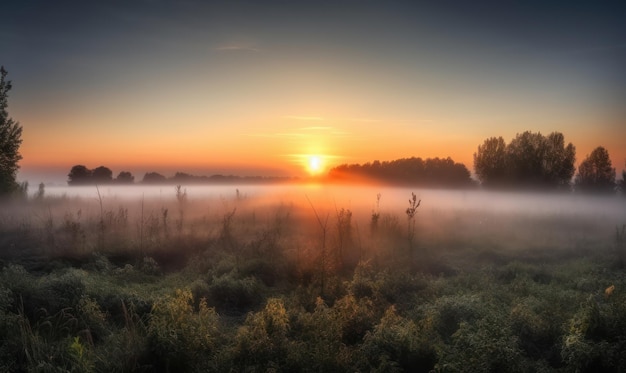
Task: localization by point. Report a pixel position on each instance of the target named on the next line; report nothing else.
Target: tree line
(534, 161)
(81, 175)
(529, 161)
(430, 172)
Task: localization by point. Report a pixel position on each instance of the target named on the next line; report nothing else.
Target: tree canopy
(125, 177)
(596, 173)
(10, 140)
(81, 175)
(530, 160)
(431, 172)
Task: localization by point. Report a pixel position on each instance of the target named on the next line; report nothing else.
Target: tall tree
(596, 173)
(558, 162)
(622, 183)
(490, 162)
(79, 175)
(153, 178)
(102, 175)
(530, 160)
(10, 140)
(125, 177)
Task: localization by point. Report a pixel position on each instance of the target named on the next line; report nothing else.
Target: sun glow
(315, 164)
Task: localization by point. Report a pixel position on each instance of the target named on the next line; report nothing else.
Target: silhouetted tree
(125, 177)
(102, 175)
(596, 173)
(181, 177)
(153, 177)
(10, 140)
(530, 160)
(490, 162)
(622, 183)
(79, 175)
(558, 162)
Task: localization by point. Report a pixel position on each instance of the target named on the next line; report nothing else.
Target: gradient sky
(253, 87)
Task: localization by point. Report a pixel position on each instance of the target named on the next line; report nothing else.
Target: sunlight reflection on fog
(362, 199)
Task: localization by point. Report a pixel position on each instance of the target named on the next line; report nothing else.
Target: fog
(364, 198)
(523, 224)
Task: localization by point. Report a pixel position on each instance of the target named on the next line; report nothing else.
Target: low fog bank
(364, 199)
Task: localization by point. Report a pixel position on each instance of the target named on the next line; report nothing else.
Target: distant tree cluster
(81, 175)
(185, 178)
(431, 172)
(530, 160)
(534, 161)
(596, 173)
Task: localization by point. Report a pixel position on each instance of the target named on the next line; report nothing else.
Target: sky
(261, 87)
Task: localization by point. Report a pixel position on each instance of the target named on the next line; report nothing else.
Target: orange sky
(245, 88)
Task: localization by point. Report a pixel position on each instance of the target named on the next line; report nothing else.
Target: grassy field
(293, 284)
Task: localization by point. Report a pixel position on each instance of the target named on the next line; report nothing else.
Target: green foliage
(319, 344)
(538, 327)
(10, 140)
(233, 294)
(262, 342)
(596, 173)
(482, 345)
(530, 160)
(178, 336)
(506, 306)
(397, 345)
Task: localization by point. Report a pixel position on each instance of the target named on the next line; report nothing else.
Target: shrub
(178, 337)
(61, 291)
(318, 335)
(229, 293)
(396, 344)
(356, 318)
(538, 329)
(262, 342)
(485, 345)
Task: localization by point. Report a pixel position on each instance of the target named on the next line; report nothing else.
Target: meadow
(311, 278)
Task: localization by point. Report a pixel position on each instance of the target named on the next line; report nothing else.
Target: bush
(178, 337)
(485, 345)
(62, 291)
(396, 344)
(232, 294)
(261, 344)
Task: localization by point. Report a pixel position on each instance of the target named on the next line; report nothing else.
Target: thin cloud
(351, 119)
(237, 48)
(279, 134)
(302, 117)
(316, 128)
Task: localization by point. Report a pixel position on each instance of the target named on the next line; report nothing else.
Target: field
(312, 279)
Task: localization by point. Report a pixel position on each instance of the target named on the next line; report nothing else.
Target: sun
(315, 164)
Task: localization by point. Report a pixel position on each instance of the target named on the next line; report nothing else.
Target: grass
(255, 285)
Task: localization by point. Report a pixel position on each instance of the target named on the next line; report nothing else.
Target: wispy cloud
(237, 48)
(274, 135)
(361, 120)
(350, 119)
(316, 128)
(303, 117)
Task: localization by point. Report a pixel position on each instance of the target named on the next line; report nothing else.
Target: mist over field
(445, 219)
(313, 277)
(477, 205)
